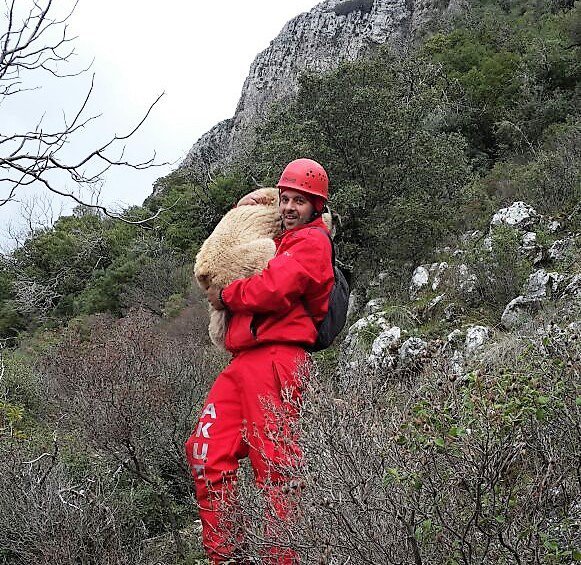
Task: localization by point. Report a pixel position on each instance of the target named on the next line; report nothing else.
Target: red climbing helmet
(305, 175)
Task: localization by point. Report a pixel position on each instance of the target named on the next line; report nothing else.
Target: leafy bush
(192, 210)
(501, 272)
(552, 181)
(423, 467)
(515, 66)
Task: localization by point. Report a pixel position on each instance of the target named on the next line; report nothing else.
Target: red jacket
(289, 298)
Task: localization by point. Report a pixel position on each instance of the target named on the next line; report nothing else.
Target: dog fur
(240, 246)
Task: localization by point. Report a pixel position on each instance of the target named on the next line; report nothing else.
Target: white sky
(198, 53)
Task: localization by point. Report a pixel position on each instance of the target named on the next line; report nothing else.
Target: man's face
(294, 208)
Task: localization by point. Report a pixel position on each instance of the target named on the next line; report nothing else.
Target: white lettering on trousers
(202, 430)
(203, 453)
(210, 410)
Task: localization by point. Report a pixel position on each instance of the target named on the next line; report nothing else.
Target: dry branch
(40, 43)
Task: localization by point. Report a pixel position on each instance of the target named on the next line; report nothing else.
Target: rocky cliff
(332, 32)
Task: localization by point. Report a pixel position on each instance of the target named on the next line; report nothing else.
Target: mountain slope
(318, 40)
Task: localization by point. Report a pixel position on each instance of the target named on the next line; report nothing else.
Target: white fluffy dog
(240, 245)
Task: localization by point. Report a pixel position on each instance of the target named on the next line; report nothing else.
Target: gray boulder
(457, 364)
(519, 215)
(531, 248)
(466, 281)
(411, 351)
(519, 311)
(352, 341)
(428, 276)
(420, 279)
(383, 348)
(476, 337)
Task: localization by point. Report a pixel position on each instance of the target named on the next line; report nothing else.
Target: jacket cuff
(222, 299)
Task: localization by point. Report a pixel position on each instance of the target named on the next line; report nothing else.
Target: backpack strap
(332, 257)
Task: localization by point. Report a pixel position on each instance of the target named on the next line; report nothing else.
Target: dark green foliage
(500, 272)
(102, 294)
(61, 260)
(374, 124)
(159, 276)
(5, 283)
(21, 383)
(84, 262)
(191, 210)
(10, 319)
(515, 65)
(550, 181)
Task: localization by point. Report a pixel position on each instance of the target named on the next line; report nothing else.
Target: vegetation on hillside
(104, 357)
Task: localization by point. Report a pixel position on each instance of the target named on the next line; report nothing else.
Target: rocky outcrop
(440, 293)
(519, 214)
(319, 40)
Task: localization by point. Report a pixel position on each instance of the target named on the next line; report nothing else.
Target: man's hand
(256, 197)
(213, 295)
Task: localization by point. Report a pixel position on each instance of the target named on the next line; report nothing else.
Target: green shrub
(501, 272)
(514, 65)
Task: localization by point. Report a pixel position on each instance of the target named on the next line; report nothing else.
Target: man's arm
(286, 277)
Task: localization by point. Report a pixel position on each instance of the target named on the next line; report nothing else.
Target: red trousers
(251, 411)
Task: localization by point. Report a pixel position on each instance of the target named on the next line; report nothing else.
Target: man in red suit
(252, 408)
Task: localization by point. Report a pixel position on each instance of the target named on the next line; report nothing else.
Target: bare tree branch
(36, 43)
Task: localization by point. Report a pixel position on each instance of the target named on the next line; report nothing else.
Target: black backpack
(334, 320)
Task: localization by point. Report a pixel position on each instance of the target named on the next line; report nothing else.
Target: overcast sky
(198, 53)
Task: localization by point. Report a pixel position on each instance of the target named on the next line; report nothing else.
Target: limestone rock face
(332, 32)
(476, 337)
(519, 215)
